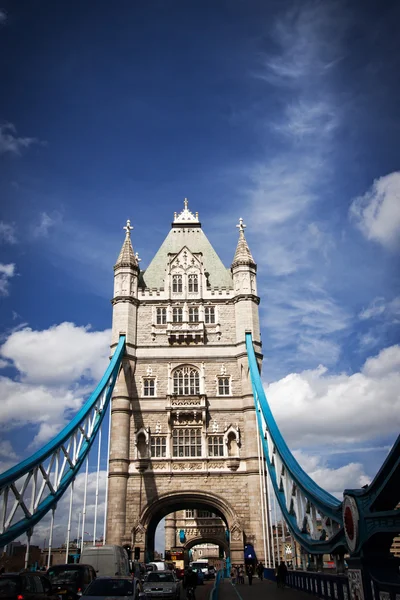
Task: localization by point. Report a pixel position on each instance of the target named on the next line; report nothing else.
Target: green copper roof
(196, 241)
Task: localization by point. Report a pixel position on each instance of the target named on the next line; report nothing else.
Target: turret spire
(127, 257)
(243, 255)
(186, 217)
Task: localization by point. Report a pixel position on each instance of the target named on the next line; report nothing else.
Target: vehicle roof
(127, 577)
(14, 574)
(163, 571)
(70, 566)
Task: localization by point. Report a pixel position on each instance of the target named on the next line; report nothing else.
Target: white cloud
(7, 233)
(6, 272)
(308, 118)
(333, 480)
(377, 212)
(59, 355)
(307, 47)
(304, 319)
(314, 407)
(7, 450)
(10, 143)
(45, 223)
(57, 367)
(380, 307)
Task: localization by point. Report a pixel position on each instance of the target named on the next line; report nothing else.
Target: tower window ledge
(186, 402)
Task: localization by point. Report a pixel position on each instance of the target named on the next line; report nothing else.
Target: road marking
(236, 590)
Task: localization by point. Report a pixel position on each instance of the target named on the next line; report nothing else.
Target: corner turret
(125, 301)
(244, 271)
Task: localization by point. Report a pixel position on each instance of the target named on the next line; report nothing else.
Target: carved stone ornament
(236, 532)
(139, 534)
(351, 522)
(355, 584)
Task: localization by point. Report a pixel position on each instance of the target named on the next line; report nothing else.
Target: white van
(157, 565)
(106, 560)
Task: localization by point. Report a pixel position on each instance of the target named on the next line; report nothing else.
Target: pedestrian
(233, 576)
(241, 574)
(282, 573)
(260, 570)
(250, 574)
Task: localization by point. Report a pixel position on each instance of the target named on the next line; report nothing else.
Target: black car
(26, 586)
(70, 581)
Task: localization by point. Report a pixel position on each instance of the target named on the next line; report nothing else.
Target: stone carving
(158, 427)
(216, 465)
(149, 370)
(139, 534)
(356, 584)
(215, 426)
(187, 466)
(236, 532)
(186, 402)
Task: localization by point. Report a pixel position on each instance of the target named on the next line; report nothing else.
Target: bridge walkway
(259, 590)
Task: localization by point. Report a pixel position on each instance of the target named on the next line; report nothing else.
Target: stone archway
(144, 530)
(218, 541)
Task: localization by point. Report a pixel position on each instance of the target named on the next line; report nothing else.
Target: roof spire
(127, 257)
(128, 228)
(186, 217)
(243, 255)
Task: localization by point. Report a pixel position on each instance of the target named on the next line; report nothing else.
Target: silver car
(113, 587)
(161, 584)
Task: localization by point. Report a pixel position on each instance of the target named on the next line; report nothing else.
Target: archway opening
(190, 519)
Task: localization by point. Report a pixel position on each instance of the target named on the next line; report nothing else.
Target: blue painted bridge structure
(361, 527)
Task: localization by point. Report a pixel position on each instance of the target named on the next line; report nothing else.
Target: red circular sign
(349, 522)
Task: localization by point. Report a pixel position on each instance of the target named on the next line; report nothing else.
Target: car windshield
(110, 587)
(160, 577)
(64, 575)
(8, 586)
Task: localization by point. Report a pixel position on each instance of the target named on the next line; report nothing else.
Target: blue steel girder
(35, 485)
(371, 515)
(313, 516)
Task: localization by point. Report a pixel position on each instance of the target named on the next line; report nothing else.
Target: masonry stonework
(183, 434)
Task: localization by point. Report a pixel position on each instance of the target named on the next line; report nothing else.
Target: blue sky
(284, 113)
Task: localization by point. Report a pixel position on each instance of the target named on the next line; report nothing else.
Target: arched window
(186, 381)
(177, 283)
(193, 282)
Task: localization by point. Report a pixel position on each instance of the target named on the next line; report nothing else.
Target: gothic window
(158, 446)
(186, 381)
(193, 283)
(215, 445)
(193, 314)
(205, 514)
(223, 386)
(161, 316)
(149, 386)
(177, 315)
(177, 283)
(189, 514)
(209, 314)
(186, 442)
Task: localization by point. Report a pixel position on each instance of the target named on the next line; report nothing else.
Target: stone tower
(183, 430)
